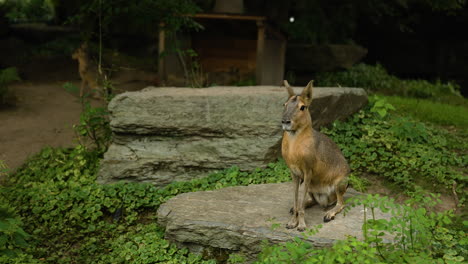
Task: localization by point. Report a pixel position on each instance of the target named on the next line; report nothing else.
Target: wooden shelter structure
(242, 46)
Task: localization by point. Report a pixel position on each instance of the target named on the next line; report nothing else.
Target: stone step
(238, 219)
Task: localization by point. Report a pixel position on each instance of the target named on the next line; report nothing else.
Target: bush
(12, 236)
(376, 79)
(73, 219)
(7, 76)
(399, 149)
(417, 236)
(28, 10)
(372, 78)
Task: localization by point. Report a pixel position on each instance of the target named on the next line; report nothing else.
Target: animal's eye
(303, 107)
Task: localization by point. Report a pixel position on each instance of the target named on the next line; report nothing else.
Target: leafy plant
(69, 215)
(3, 169)
(194, 74)
(132, 16)
(28, 10)
(372, 78)
(12, 236)
(146, 244)
(7, 76)
(399, 149)
(411, 235)
(94, 124)
(381, 107)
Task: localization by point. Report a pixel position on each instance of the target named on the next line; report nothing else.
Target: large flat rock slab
(219, 111)
(176, 134)
(237, 219)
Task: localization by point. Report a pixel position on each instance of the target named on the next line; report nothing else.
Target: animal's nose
(286, 122)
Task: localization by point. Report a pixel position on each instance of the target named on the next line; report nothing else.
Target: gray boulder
(238, 219)
(175, 134)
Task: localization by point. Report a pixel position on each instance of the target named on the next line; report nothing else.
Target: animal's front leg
(293, 221)
(301, 210)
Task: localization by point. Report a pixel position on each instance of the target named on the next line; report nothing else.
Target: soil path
(43, 116)
(45, 112)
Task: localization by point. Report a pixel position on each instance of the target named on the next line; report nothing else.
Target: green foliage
(381, 107)
(358, 183)
(12, 236)
(411, 235)
(94, 124)
(402, 150)
(247, 82)
(146, 244)
(73, 219)
(28, 10)
(132, 16)
(433, 112)
(376, 79)
(372, 78)
(3, 169)
(94, 121)
(7, 75)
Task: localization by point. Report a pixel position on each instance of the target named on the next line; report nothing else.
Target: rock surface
(174, 134)
(237, 219)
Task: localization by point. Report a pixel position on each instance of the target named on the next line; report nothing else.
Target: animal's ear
(290, 89)
(306, 94)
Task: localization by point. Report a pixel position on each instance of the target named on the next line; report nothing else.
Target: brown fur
(88, 72)
(314, 160)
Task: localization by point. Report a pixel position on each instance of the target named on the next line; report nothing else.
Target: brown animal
(314, 160)
(88, 72)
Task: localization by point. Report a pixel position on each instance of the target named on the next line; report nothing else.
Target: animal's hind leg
(339, 192)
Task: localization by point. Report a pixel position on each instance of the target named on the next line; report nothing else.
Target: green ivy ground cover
(56, 213)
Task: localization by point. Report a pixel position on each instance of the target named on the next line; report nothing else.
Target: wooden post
(161, 48)
(282, 61)
(260, 50)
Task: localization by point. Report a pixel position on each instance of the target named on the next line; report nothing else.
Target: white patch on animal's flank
(322, 189)
(321, 199)
(322, 194)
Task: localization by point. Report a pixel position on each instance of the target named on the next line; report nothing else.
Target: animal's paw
(292, 224)
(328, 218)
(301, 228)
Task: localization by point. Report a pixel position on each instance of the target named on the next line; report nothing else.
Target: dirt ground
(45, 112)
(43, 116)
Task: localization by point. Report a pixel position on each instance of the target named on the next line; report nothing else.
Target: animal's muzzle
(286, 124)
